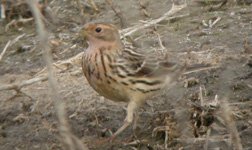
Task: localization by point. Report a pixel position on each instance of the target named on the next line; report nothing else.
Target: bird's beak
(83, 36)
(84, 32)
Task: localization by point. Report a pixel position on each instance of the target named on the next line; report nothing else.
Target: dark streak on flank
(132, 53)
(111, 78)
(147, 91)
(132, 89)
(113, 69)
(153, 90)
(145, 82)
(121, 76)
(111, 66)
(123, 69)
(124, 83)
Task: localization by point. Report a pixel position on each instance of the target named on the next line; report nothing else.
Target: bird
(123, 74)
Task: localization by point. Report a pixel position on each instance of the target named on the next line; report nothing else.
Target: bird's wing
(138, 63)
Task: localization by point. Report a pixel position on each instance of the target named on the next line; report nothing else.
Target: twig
(200, 139)
(80, 8)
(218, 6)
(137, 142)
(68, 139)
(230, 124)
(93, 5)
(75, 60)
(160, 41)
(207, 139)
(16, 22)
(78, 109)
(4, 50)
(18, 86)
(201, 69)
(118, 12)
(202, 103)
(159, 128)
(215, 21)
(10, 43)
(247, 47)
(166, 139)
(17, 39)
(211, 23)
(64, 64)
(143, 8)
(173, 10)
(250, 122)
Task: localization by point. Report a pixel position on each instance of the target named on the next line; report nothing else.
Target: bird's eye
(98, 29)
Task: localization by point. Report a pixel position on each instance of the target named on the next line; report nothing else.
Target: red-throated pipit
(123, 74)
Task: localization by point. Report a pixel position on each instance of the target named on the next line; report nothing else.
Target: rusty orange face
(100, 31)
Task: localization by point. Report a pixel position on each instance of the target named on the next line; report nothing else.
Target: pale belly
(112, 91)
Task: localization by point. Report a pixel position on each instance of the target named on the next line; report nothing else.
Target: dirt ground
(193, 114)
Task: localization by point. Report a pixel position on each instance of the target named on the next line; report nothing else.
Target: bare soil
(28, 120)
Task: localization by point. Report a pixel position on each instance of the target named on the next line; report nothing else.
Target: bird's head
(100, 33)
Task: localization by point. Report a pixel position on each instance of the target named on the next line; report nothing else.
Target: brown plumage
(123, 74)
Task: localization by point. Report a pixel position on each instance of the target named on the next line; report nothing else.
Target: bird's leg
(132, 106)
(135, 120)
